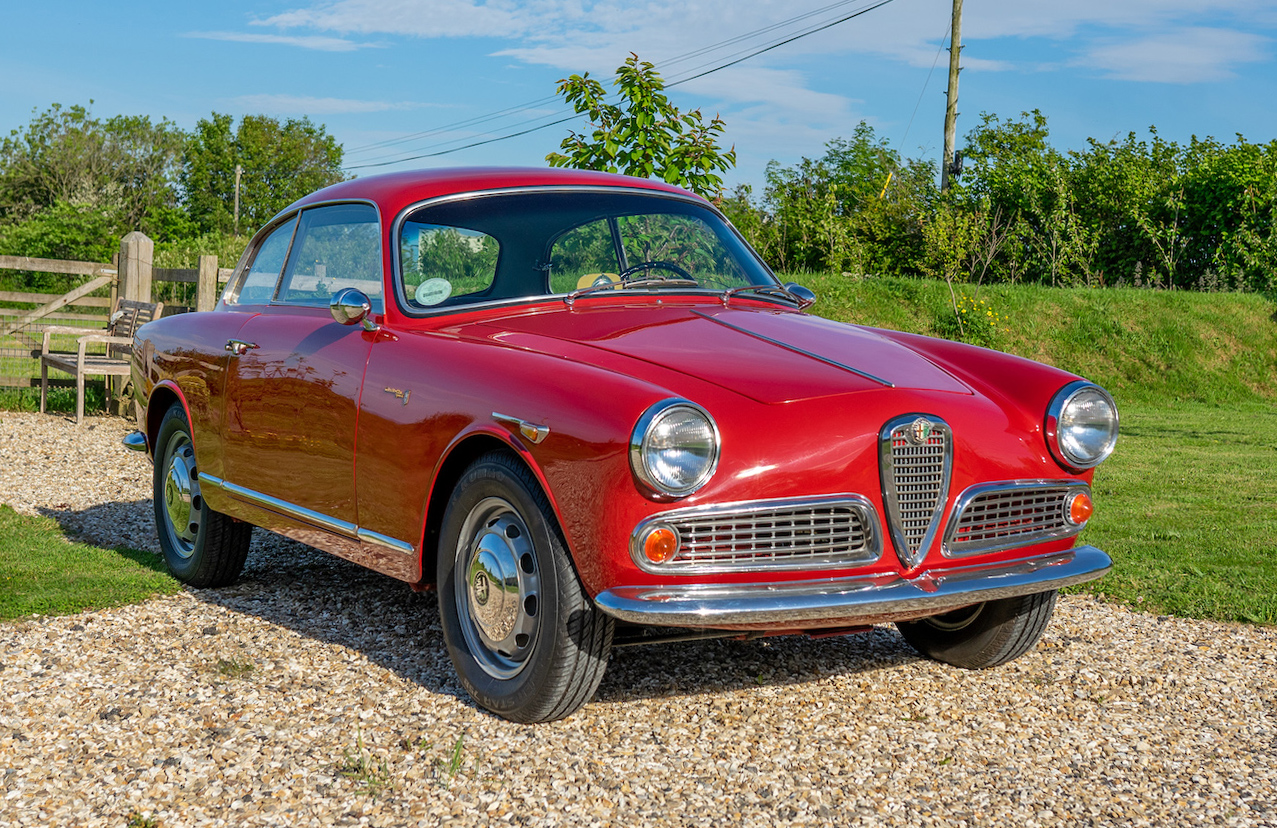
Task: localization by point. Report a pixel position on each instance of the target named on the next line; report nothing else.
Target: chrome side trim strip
(378, 539)
(291, 510)
(850, 600)
(795, 349)
(533, 431)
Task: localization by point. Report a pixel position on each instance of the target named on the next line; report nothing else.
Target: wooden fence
(23, 314)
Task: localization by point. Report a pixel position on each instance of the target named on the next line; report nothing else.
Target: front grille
(822, 533)
(1003, 515)
(916, 455)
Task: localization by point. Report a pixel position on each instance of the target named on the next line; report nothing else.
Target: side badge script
(402, 395)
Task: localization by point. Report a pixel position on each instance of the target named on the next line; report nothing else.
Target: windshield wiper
(783, 291)
(635, 283)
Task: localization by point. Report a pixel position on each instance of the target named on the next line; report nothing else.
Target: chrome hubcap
(182, 503)
(498, 595)
(956, 620)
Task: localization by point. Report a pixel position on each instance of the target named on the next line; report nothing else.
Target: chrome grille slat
(771, 535)
(1003, 515)
(915, 481)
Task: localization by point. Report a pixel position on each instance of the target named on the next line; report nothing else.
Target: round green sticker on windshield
(433, 291)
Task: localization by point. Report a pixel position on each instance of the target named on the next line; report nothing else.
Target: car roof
(392, 192)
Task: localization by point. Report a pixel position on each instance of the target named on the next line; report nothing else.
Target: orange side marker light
(1080, 509)
(660, 545)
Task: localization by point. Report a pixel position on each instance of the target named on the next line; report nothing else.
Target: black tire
(526, 641)
(983, 635)
(202, 548)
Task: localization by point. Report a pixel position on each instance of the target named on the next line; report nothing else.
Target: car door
(294, 379)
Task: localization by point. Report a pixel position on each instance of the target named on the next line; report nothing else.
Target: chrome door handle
(238, 347)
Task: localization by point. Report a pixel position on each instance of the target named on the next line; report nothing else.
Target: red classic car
(581, 408)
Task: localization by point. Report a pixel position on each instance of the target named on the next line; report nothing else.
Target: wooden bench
(127, 316)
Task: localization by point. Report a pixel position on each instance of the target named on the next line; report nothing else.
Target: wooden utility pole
(951, 97)
(238, 172)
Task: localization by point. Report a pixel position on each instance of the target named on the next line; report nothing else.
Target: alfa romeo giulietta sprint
(582, 408)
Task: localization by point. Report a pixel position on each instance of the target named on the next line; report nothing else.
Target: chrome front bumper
(850, 601)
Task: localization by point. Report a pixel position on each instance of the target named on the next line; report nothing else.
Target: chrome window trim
(243, 267)
(964, 500)
(396, 229)
(912, 558)
(230, 296)
(639, 433)
(300, 513)
(1051, 423)
(868, 515)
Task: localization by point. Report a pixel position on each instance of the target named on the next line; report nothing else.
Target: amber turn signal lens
(660, 545)
(1080, 509)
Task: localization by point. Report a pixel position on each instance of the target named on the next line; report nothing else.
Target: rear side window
(442, 263)
(337, 246)
(258, 287)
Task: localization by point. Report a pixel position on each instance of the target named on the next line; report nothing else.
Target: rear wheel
(525, 640)
(202, 547)
(982, 635)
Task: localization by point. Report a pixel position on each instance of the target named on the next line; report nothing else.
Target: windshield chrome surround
(396, 228)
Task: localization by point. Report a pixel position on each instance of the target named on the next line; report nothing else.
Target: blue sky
(382, 71)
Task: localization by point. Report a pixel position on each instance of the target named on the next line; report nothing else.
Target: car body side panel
(425, 391)
(189, 351)
(291, 409)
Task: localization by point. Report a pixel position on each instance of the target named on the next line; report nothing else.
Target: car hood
(771, 356)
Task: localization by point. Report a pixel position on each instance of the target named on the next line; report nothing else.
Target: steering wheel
(626, 274)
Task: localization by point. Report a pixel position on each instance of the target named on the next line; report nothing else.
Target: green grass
(61, 399)
(1144, 346)
(1187, 508)
(42, 572)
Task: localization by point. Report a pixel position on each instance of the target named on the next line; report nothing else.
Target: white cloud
(1187, 56)
(422, 18)
(302, 105)
(317, 42)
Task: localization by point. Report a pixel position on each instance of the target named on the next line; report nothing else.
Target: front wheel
(982, 635)
(202, 548)
(525, 640)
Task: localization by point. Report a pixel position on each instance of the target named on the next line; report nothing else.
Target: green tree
(281, 163)
(123, 168)
(647, 137)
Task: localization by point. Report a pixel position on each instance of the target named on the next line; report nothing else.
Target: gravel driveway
(316, 693)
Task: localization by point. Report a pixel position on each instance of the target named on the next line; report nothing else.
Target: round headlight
(1081, 425)
(674, 448)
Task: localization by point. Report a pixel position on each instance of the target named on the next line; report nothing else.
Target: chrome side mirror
(351, 307)
(804, 296)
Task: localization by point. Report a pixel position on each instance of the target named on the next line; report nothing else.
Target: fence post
(136, 254)
(206, 284)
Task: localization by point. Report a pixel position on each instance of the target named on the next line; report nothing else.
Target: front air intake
(916, 458)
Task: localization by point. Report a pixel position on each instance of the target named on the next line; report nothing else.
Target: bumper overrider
(850, 601)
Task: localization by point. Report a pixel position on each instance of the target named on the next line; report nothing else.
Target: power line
(710, 71)
(550, 99)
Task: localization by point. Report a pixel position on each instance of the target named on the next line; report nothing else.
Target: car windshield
(514, 246)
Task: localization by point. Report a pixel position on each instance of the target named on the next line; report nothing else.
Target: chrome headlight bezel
(642, 454)
(1058, 414)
